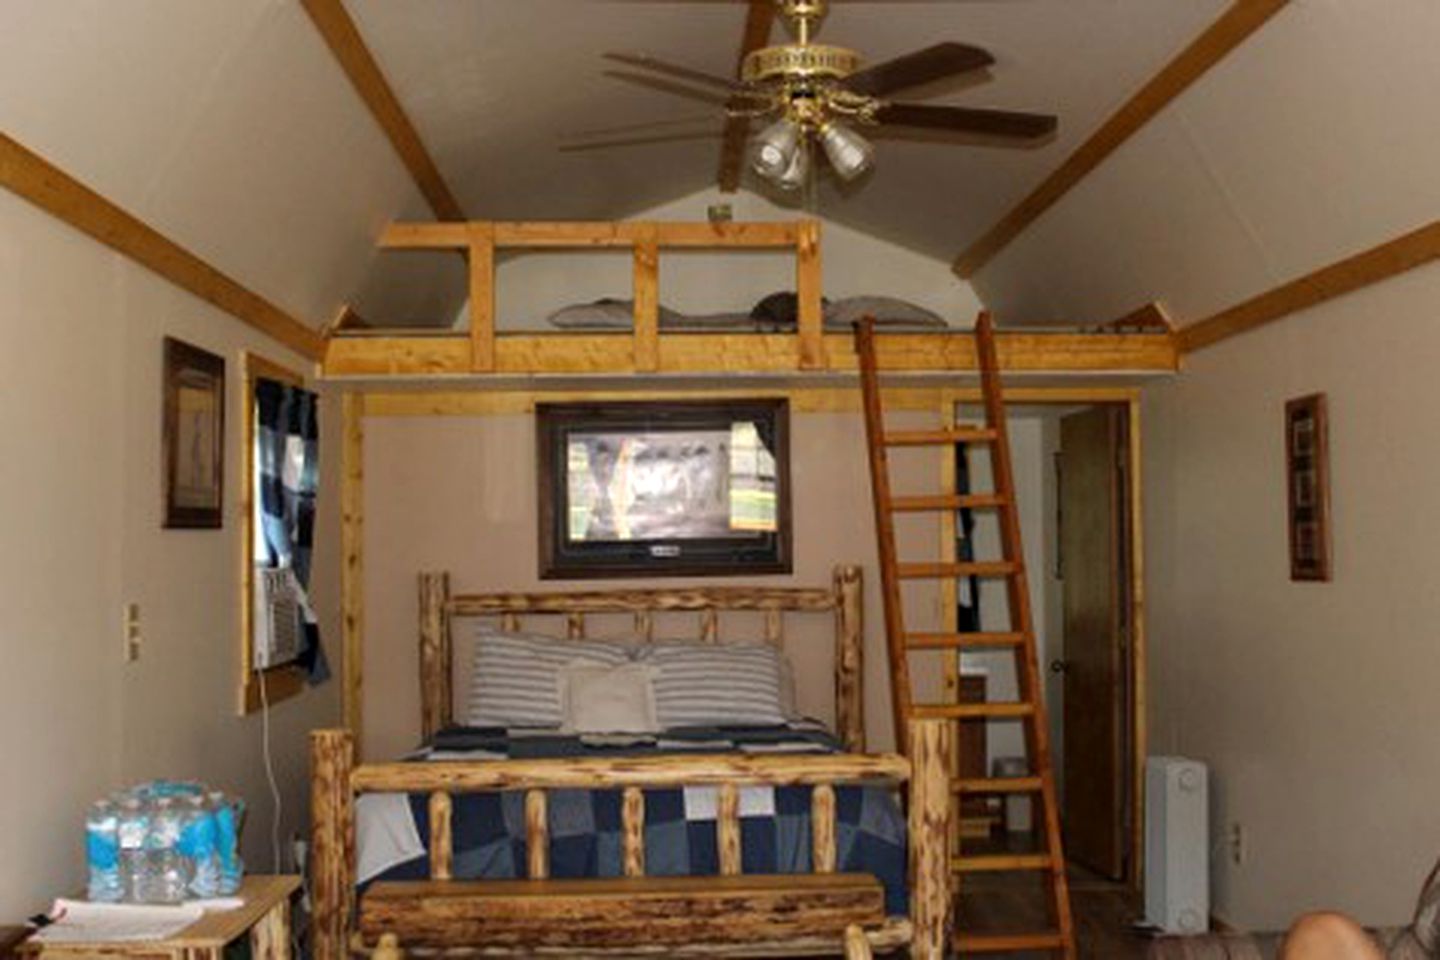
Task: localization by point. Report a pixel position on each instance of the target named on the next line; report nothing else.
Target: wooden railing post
(482, 296)
(810, 325)
(442, 838)
(647, 299)
(930, 803)
(332, 849)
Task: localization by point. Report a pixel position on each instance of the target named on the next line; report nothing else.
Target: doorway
(1076, 467)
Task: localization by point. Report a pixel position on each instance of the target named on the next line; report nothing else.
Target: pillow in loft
(617, 699)
(887, 311)
(778, 311)
(515, 681)
(707, 684)
(603, 314)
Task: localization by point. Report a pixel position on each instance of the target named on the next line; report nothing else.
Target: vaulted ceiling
(232, 129)
(493, 86)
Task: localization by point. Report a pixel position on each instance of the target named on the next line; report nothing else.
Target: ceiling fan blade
(745, 103)
(639, 141)
(922, 66)
(995, 123)
(626, 128)
(646, 62)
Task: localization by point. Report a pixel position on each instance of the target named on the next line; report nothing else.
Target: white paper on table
(80, 921)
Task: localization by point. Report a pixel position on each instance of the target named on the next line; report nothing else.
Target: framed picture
(193, 437)
(664, 489)
(1307, 471)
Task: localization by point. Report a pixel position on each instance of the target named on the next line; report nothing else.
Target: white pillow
(707, 684)
(608, 699)
(515, 681)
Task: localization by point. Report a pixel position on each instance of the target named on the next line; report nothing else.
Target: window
(279, 642)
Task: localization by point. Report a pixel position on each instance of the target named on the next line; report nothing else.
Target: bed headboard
(841, 600)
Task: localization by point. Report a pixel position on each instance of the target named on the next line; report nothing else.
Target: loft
(483, 351)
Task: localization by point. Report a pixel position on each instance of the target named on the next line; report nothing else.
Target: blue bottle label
(102, 851)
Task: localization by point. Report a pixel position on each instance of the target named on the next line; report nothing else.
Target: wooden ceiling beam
(345, 42)
(1387, 260)
(1234, 26)
(759, 22)
(61, 195)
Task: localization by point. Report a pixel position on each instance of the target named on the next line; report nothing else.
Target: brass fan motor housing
(799, 61)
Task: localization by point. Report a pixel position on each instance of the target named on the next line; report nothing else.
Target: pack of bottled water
(163, 842)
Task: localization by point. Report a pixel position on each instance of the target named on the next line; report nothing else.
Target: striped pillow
(516, 677)
(703, 684)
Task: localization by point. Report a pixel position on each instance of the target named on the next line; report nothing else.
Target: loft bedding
(776, 313)
(585, 825)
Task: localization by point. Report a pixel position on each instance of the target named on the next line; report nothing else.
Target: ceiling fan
(821, 93)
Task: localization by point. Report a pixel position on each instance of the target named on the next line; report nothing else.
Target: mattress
(488, 829)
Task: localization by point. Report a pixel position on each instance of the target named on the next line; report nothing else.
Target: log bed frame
(734, 914)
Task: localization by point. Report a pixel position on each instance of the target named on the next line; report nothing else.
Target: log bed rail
(734, 914)
(481, 351)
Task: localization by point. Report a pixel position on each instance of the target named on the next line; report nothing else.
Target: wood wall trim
(1234, 26)
(473, 403)
(352, 567)
(1360, 270)
(56, 192)
(586, 234)
(345, 42)
(759, 22)
(698, 353)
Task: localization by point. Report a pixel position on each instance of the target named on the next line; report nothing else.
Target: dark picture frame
(1307, 486)
(673, 488)
(193, 437)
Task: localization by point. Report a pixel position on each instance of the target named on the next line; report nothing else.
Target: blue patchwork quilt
(585, 825)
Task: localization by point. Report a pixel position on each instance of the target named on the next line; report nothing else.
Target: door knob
(1059, 666)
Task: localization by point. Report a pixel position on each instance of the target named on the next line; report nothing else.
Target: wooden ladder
(1029, 709)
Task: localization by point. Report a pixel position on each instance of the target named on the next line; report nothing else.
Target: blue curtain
(287, 469)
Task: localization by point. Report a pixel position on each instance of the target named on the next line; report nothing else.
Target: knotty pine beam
(1233, 27)
(1368, 267)
(345, 42)
(53, 190)
(759, 21)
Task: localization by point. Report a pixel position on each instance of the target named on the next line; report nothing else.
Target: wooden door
(1094, 556)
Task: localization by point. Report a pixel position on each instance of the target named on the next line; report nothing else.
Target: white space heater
(1177, 851)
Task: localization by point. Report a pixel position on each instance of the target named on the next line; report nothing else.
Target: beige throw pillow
(618, 699)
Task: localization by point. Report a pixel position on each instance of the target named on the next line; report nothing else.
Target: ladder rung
(1003, 942)
(931, 438)
(942, 569)
(972, 711)
(948, 641)
(989, 785)
(1001, 862)
(944, 501)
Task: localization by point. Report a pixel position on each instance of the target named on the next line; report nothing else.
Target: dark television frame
(562, 558)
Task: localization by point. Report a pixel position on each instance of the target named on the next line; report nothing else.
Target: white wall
(530, 286)
(1314, 703)
(80, 358)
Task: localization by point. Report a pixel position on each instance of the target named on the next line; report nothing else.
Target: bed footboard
(473, 906)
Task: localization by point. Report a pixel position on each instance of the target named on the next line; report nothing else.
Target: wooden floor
(1104, 910)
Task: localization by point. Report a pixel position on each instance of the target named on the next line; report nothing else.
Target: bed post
(435, 654)
(930, 903)
(332, 836)
(849, 659)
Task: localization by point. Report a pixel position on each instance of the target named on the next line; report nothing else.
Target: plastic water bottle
(102, 852)
(132, 826)
(164, 878)
(197, 846)
(227, 814)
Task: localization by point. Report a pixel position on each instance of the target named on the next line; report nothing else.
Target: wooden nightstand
(265, 916)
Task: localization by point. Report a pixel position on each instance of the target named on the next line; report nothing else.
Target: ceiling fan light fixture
(849, 153)
(794, 176)
(776, 148)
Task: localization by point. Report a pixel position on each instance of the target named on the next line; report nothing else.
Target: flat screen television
(664, 489)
